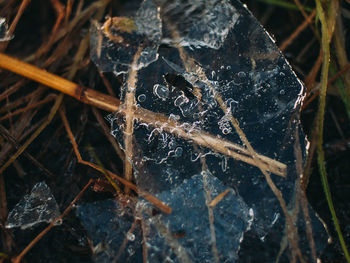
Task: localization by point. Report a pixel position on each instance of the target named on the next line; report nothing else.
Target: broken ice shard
(114, 44)
(4, 33)
(221, 99)
(37, 207)
(202, 233)
(111, 230)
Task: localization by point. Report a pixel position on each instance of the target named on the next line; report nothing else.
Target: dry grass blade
(129, 106)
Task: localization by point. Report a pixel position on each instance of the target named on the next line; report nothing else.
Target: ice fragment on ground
(188, 233)
(37, 207)
(4, 34)
(199, 23)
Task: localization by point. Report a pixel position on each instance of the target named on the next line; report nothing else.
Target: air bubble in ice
(131, 251)
(224, 124)
(224, 164)
(161, 91)
(188, 107)
(130, 236)
(178, 152)
(276, 216)
(173, 117)
(141, 98)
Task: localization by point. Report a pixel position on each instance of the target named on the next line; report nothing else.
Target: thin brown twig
(218, 198)
(13, 141)
(12, 89)
(59, 8)
(341, 72)
(311, 77)
(21, 100)
(330, 82)
(79, 19)
(107, 84)
(68, 11)
(297, 31)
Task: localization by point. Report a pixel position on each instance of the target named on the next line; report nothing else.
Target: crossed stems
(157, 120)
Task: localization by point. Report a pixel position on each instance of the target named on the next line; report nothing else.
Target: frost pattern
(200, 23)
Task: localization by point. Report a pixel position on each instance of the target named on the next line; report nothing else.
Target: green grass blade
(320, 120)
(342, 91)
